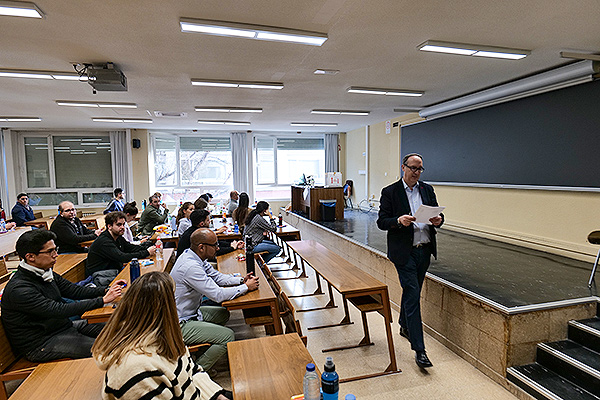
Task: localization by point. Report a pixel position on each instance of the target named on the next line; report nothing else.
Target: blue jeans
(412, 275)
(267, 245)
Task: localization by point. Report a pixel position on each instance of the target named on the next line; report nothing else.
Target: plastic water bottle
(134, 270)
(311, 383)
(159, 249)
(330, 381)
(2, 225)
(173, 223)
(236, 228)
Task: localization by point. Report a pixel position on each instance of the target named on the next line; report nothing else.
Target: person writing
(142, 351)
(35, 315)
(410, 245)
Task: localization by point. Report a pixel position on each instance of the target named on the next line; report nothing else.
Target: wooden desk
(9, 239)
(311, 206)
(353, 284)
(166, 237)
(103, 313)
(71, 266)
(270, 367)
(287, 232)
(63, 380)
(260, 306)
(44, 222)
(94, 221)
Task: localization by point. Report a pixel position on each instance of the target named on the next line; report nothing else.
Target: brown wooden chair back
(38, 214)
(3, 269)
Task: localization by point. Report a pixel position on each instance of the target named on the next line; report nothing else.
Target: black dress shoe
(404, 333)
(422, 360)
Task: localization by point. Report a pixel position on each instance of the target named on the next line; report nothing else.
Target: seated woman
(131, 211)
(183, 217)
(241, 212)
(257, 228)
(142, 350)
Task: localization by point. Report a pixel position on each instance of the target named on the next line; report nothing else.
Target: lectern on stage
(310, 204)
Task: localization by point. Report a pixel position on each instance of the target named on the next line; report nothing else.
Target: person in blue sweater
(22, 212)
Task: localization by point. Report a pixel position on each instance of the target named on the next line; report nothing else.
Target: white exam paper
(425, 212)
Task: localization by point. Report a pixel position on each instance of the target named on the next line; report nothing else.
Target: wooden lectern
(311, 205)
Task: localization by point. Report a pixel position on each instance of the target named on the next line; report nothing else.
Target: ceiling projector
(106, 78)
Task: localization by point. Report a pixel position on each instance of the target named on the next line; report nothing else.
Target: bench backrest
(7, 357)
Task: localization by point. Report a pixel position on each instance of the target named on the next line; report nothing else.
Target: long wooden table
(8, 239)
(260, 306)
(43, 222)
(63, 380)
(103, 313)
(94, 221)
(270, 367)
(355, 286)
(286, 232)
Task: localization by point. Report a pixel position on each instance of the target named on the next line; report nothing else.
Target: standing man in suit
(410, 245)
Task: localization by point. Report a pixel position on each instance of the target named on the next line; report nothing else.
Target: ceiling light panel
(212, 122)
(123, 120)
(20, 119)
(69, 103)
(237, 84)
(340, 112)
(307, 124)
(225, 109)
(248, 31)
(33, 74)
(20, 9)
(475, 50)
(386, 92)
(326, 71)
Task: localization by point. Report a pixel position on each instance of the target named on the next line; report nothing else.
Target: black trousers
(412, 275)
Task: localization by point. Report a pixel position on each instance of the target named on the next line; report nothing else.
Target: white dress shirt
(421, 231)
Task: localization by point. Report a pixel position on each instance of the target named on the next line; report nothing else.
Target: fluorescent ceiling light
(386, 92)
(49, 75)
(94, 104)
(313, 124)
(326, 71)
(20, 9)
(473, 50)
(237, 84)
(339, 112)
(124, 120)
(229, 109)
(211, 122)
(248, 31)
(20, 119)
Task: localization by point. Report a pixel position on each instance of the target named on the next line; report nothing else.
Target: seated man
(22, 212)
(70, 231)
(117, 203)
(152, 216)
(194, 278)
(110, 250)
(201, 219)
(234, 197)
(35, 315)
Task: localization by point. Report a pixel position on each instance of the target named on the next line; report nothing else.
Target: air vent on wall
(169, 114)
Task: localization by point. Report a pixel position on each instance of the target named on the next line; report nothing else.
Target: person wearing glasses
(36, 317)
(410, 245)
(194, 278)
(70, 231)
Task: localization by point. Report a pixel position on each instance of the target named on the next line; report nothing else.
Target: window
(61, 167)
(283, 161)
(187, 166)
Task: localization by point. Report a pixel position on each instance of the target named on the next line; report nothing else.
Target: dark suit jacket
(68, 235)
(393, 204)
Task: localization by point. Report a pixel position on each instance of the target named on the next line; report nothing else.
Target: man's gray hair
(409, 155)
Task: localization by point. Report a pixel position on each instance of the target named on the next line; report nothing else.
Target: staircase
(567, 369)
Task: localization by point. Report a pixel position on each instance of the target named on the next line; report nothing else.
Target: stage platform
(488, 301)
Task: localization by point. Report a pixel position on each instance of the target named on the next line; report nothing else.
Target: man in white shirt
(194, 278)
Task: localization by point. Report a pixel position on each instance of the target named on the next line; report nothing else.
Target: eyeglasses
(415, 169)
(215, 245)
(70, 209)
(49, 251)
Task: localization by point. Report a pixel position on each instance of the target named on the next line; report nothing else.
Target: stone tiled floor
(507, 274)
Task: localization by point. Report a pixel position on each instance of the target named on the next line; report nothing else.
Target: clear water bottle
(311, 383)
(330, 381)
(134, 270)
(159, 249)
(173, 223)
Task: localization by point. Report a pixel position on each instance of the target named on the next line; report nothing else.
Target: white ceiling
(372, 43)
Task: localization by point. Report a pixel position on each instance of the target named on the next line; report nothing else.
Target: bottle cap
(329, 365)
(350, 397)
(310, 367)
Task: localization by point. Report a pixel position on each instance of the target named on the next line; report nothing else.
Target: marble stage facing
(488, 301)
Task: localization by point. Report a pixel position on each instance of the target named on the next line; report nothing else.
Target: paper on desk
(425, 212)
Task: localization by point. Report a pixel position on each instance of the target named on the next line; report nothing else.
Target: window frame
(52, 170)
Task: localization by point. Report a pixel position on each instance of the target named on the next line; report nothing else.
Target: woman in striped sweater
(142, 350)
(258, 229)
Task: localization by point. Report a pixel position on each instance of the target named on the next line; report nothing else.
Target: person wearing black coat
(35, 315)
(70, 231)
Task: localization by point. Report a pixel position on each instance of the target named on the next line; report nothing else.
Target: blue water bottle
(134, 270)
(236, 228)
(330, 381)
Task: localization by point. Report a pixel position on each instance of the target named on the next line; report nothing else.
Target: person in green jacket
(152, 216)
